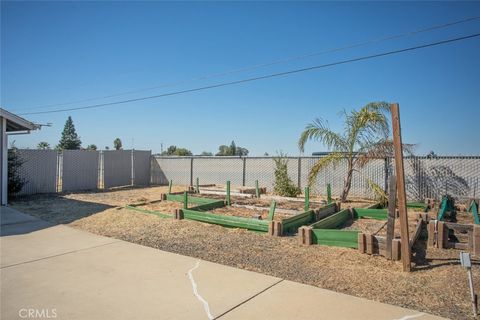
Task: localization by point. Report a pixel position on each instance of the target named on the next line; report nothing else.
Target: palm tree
(43, 145)
(365, 137)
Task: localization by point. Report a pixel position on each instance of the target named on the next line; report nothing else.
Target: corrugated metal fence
(50, 171)
(425, 177)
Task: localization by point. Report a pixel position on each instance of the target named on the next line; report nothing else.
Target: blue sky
(56, 52)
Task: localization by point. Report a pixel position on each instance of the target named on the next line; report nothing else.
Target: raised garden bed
(335, 230)
(169, 203)
(365, 229)
(230, 216)
(236, 215)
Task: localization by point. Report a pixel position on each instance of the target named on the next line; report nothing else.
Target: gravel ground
(164, 206)
(248, 213)
(438, 285)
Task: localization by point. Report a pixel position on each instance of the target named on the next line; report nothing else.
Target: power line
(264, 65)
(262, 77)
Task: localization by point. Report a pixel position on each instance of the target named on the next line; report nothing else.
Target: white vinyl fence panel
(218, 170)
(117, 168)
(141, 167)
(39, 170)
(176, 169)
(80, 170)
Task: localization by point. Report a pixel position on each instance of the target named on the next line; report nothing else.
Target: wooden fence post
(400, 175)
(392, 203)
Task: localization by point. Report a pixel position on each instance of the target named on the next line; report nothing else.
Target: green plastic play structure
(447, 209)
(474, 210)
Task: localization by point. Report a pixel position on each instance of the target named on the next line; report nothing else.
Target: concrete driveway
(56, 272)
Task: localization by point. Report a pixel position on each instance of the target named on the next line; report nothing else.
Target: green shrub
(15, 162)
(284, 186)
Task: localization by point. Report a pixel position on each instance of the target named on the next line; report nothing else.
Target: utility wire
(264, 65)
(263, 77)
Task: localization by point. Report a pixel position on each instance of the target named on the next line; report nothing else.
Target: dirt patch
(163, 206)
(248, 213)
(438, 285)
(379, 227)
(366, 225)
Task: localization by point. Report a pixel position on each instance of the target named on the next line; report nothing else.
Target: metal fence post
(132, 173)
(100, 170)
(59, 182)
(299, 173)
(191, 171)
(244, 173)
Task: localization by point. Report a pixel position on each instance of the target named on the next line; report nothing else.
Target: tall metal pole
(400, 175)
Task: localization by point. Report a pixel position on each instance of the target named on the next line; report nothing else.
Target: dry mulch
(164, 206)
(248, 213)
(438, 285)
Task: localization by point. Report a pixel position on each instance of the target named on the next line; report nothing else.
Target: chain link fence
(425, 177)
(50, 171)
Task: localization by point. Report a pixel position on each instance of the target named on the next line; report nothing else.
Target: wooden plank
(301, 235)
(305, 235)
(442, 235)
(222, 193)
(476, 240)
(416, 234)
(338, 238)
(369, 241)
(326, 211)
(458, 245)
(392, 203)
(431, 233)
(299, 199)
(271, 212)
(396, 249)
(400, 175)
(377, 214)
(271, 227)
(277, 210)
(278, 229)
(458, 227)
(362, 246)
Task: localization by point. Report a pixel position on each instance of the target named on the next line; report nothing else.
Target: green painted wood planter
(326, 231)
(337, 238)
(227, 221)
(293, 223)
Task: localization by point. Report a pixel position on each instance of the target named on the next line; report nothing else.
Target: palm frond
(319, 131)
(331, 159)
(367, 125)
(378, 150)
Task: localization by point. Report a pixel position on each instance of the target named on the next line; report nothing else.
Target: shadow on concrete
(34, 213)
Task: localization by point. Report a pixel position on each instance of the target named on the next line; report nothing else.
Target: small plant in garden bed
(284, 186)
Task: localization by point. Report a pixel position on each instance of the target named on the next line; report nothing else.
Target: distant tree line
(223, 150)
(70, 140)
